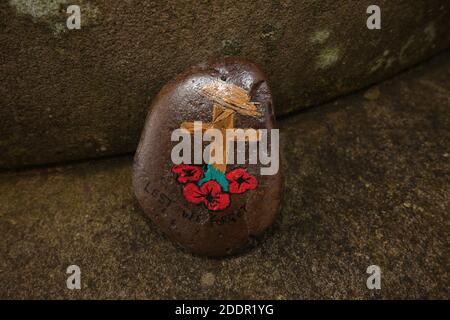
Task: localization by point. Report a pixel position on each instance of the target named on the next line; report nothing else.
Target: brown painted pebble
(200, 194)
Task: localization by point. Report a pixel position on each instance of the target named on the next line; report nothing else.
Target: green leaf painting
(212, 173)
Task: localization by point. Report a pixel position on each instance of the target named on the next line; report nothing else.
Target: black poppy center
(240, 180)
(189, 172)
(209, 197)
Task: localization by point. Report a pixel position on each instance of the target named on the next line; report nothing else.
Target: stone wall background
(69, 95)
(367, 182)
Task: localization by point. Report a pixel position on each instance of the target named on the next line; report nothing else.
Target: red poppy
(240, 181)
(187, 173)
(208, 193)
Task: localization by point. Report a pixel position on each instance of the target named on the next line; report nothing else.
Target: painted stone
(207, 168)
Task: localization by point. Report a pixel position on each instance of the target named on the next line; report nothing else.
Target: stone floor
(368, 182)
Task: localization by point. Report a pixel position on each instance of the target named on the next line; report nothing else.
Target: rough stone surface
(367, 183)
(75, 94)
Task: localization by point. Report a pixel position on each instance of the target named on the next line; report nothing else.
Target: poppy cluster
(211, 193)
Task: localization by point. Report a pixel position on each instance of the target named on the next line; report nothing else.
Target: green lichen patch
(231, 47)
(53, 12)
(327, 58)
(38, 8)
(320, 36)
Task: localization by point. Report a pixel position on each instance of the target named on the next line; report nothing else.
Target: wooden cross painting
(228, 100)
